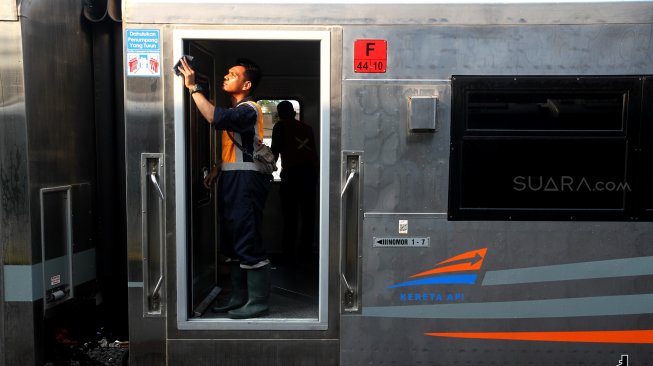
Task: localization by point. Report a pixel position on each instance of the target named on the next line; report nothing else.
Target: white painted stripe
(640, 266)
(25, 282)
(549, 308)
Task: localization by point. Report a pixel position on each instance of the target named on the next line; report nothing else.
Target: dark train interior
(290, 72)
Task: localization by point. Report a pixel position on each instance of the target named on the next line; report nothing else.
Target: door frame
(183, 322)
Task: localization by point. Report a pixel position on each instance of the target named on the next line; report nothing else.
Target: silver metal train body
(484, 192)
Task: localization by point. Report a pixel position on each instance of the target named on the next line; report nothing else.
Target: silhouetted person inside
(294, 141)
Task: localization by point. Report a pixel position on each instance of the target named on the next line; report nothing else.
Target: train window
(537, 148)
(537, 110)
(270, 117)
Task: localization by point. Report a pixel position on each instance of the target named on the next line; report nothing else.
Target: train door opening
(295, 67)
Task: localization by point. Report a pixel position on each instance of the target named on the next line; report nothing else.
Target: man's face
(234, 81)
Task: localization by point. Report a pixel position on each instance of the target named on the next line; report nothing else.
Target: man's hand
(188, 72)
(203, 104)
(210, 178)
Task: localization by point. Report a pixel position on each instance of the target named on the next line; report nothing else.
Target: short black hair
(286, 110)
(252, 71)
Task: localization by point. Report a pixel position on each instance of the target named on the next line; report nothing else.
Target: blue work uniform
(242, 189)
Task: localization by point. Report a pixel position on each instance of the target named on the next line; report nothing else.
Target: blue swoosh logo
(465, 279)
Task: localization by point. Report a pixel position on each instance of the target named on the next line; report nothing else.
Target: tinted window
(538, 148)
(537, 110)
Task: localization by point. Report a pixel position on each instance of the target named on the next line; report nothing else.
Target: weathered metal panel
(60, 117)
(253, 352)
(14, 208)
(144, 134)
(47, 134)
(406, 174)
(399, 190)
(206, 12)
(24, 333)
(519, 300)
(429, 52)
(404, 171)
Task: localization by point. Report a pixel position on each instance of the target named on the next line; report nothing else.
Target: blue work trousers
(241, 199)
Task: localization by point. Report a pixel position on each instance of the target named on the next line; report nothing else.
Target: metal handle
(349, 296)
(350, 207)
(155, 181)
(153, 210)
(157, 288)
(155, 298)
(350, 178)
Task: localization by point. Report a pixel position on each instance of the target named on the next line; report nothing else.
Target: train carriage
(485, 174)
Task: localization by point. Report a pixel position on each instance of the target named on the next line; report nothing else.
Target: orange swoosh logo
(472, 260)
(609, 336)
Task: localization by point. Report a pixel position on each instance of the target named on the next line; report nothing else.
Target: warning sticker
(143, 52)
(370, 55)
(55, 280)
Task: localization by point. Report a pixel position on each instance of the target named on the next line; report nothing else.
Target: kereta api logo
(449, 271)
(458, 270)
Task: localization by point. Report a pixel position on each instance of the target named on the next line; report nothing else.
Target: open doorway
(295, 68)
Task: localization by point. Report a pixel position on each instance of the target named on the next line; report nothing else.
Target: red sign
(370, 55)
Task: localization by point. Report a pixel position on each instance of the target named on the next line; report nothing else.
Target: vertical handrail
(349, 232)
(152, 202)
(155, 181)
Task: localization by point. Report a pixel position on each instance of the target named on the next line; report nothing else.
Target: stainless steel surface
(59, 125)
(14, 207)
(421, 52)
(232, 352)
(147, 344)
(406, 178)
(144, 131)
(25, 344)
(510, 245)
(234, 13)
(47, 140)
(14, 211)
(406, 173)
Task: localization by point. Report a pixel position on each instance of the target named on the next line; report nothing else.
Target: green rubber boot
(238, 290)
(258, 289)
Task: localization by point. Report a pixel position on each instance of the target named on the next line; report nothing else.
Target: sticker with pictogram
(370, 55)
